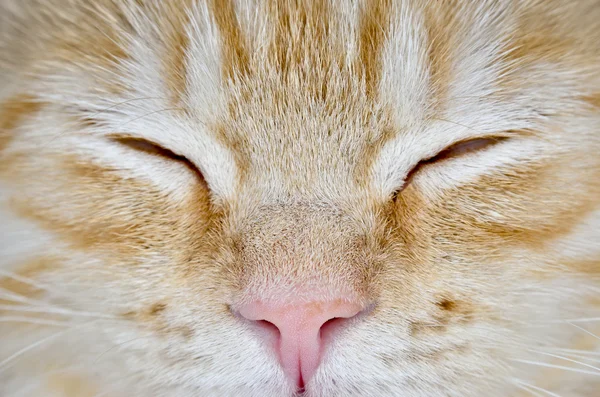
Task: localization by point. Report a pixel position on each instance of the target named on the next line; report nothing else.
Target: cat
(299, 198)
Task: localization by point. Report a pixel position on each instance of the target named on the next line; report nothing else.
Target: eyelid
(454, 150)
(146, 146)
(156, 149)
(463, 147)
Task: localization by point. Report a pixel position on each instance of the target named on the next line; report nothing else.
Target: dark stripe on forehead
(302, 30)
(235, 60)
(441, 26)
(174, 29)
(374, 26)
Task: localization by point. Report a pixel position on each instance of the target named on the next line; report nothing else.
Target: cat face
(267, 198)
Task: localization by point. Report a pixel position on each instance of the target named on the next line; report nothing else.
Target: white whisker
(30, 320)
(14, 297)
(580, 320)
(117, 346)
(529, 387)
(583, 358)
(566, 359)
(4, 363)
(25, 280)
(52, 310)
(127, 102)
(585, 330)
(149, 114)
(581, 353)
(540, 364)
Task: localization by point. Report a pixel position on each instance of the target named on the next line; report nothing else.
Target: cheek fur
(108, 211)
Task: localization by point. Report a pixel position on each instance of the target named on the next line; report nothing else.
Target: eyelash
(455, 150)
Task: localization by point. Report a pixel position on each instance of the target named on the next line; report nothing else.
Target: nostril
(265, 329)
(331, 326)
(267, 326)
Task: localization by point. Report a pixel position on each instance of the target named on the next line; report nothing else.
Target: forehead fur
(346, 79)
(354, 79)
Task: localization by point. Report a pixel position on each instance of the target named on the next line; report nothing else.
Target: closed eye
(154, 149)
(453, 151)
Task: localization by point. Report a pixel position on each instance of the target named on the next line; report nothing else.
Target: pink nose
(301, 331)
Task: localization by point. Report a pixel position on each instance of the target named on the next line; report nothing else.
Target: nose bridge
(296, 232)
(313, 247)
